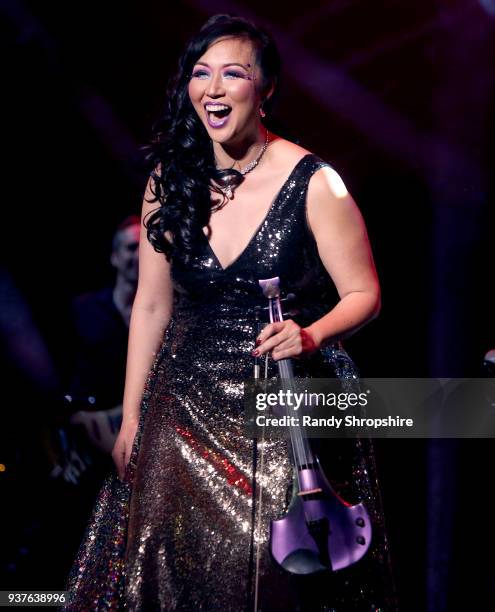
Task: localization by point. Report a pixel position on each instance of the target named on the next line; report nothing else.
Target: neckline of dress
(272, 207)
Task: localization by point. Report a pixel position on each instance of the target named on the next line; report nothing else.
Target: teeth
(212, 108)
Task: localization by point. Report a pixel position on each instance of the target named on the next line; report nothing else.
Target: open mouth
(217, 114)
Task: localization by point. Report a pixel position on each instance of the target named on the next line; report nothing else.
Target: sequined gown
(179, 533)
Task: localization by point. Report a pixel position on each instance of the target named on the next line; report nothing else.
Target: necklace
(228, 185)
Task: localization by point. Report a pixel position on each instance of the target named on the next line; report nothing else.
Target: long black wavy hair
(180, 156)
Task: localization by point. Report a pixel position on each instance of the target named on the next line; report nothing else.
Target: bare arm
(151, 314)
(344, 249)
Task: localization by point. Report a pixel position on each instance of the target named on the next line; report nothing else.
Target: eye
(200, 74)
(234, 74)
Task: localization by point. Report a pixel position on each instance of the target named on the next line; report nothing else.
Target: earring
(262, 112)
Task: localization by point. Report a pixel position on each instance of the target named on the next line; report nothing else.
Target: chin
(221, 136)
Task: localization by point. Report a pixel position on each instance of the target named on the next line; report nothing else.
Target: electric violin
(320, 530)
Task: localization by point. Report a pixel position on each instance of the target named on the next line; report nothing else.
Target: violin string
(276, 315)
(297, 437)
(301, 442)
(301, 445)
(286, 374)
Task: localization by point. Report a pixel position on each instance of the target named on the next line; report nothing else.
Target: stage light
(489, 6)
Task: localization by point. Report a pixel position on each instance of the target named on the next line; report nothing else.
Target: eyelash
(232, 73)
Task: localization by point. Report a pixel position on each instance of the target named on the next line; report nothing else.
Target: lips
(217, 114)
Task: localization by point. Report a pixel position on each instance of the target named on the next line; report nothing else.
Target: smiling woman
(185, 522)
(215, 78)
(217, 113)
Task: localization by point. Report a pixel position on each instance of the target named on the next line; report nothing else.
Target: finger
(117, 466)
(119, 461)
(271, 342)
(289, 348)
(289, 330)
(269, 330)
(295, 345)
(125, 460)
(290, 353)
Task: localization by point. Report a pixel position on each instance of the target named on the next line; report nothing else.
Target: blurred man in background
(94, 390)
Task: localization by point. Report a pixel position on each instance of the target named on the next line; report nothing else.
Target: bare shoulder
(326, 187)
(329, 205)
(286, 153)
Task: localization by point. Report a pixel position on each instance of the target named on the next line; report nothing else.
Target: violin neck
(302, 454)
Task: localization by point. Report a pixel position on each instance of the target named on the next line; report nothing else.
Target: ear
(267, 94)
(113, 259)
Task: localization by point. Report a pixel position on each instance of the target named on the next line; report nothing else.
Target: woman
(228, 202)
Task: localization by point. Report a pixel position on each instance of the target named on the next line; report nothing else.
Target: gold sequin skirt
(186, 530)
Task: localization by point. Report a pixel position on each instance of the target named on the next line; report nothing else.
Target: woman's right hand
(121, 452)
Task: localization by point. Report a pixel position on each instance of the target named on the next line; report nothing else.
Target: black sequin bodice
(209, 298)
(282, 246)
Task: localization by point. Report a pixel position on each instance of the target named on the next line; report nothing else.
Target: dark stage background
(398, 96)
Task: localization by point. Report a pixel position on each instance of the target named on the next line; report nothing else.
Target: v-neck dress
(186, 531)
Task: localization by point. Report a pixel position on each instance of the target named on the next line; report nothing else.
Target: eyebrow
(225, 65)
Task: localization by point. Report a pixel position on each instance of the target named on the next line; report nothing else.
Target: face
(125, 256)
(224, 90)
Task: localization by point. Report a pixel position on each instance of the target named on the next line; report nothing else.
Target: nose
(215, 87)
